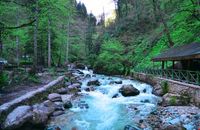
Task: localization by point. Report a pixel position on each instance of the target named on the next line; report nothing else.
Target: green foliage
(34, 79)
(109, 60)
(165, 87)
(173, 100)
(3, 79)
(185, 98)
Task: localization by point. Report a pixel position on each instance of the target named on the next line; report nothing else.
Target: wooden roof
(185, 52)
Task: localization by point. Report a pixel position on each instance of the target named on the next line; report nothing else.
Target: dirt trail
(19, 90)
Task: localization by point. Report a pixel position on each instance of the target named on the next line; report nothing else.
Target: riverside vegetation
(40, 38)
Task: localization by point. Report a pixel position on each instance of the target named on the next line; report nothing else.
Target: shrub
(165, 87)
(173, 100)
(3, 79)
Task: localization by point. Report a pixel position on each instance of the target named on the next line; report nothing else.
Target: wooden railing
(192, 77)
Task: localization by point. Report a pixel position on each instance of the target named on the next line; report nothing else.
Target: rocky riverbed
(98, 102)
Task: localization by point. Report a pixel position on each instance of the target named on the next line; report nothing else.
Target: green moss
(185, 98)
(173, 100)
(165, 87)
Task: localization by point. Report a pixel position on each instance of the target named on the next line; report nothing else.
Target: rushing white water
(105, 112)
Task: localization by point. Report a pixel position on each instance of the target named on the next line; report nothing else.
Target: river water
(97, 110)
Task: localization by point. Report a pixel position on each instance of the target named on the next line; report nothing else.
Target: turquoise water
(97, 110)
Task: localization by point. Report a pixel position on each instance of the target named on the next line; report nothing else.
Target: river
(98, 110)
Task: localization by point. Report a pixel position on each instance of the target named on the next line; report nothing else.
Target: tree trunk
(49, 44)
(155, 10)
(1, 43)
(17, 42)
(35, 59)
(166, 28)
(67, 45)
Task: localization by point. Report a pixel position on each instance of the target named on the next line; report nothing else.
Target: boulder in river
(18, 117)
(54, 97)
(67, 105)
(80, 66)
(129, 90)
(116, 82)
(129, 127)
(58, 113)
(74, 87)
(93, 82)
(63, 90)
(115, 96)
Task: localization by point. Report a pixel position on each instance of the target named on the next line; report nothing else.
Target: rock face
(93, 82)
(54, 97)
(18, 117)
(129, 90)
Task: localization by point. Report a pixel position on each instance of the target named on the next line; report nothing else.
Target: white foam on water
(107, 113)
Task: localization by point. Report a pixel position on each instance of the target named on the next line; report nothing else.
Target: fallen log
(12, 104)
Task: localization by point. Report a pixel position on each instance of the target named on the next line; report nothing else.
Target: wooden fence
(192, 77)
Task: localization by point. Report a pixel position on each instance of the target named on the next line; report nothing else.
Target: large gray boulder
(93, 82)
(54, 97)
(41, 113)
(18, 117)
(129, 90)
(63, 90)
(74, 87)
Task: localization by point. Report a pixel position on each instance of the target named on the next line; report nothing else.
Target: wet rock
(49, 104)
(41, 113)
(115, 96)
(83, 105)
(59, 106)
(116, 82)
(54, 97)
(66, 98)
(88, 89)
(74, 88)
(145, 101)
(18, 117)
(93, 82)
(129, 127)
(145, 90)
(58, 113)
(129, 90)
(63, 90)
(80, 66)
(172, 127)
(67, 105)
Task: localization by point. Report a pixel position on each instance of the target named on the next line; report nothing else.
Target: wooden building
(186, 57)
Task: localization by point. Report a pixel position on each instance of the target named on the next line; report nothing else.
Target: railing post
(198, 78)
(188, 76)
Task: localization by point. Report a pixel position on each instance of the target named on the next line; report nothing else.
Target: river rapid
(98, 110)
